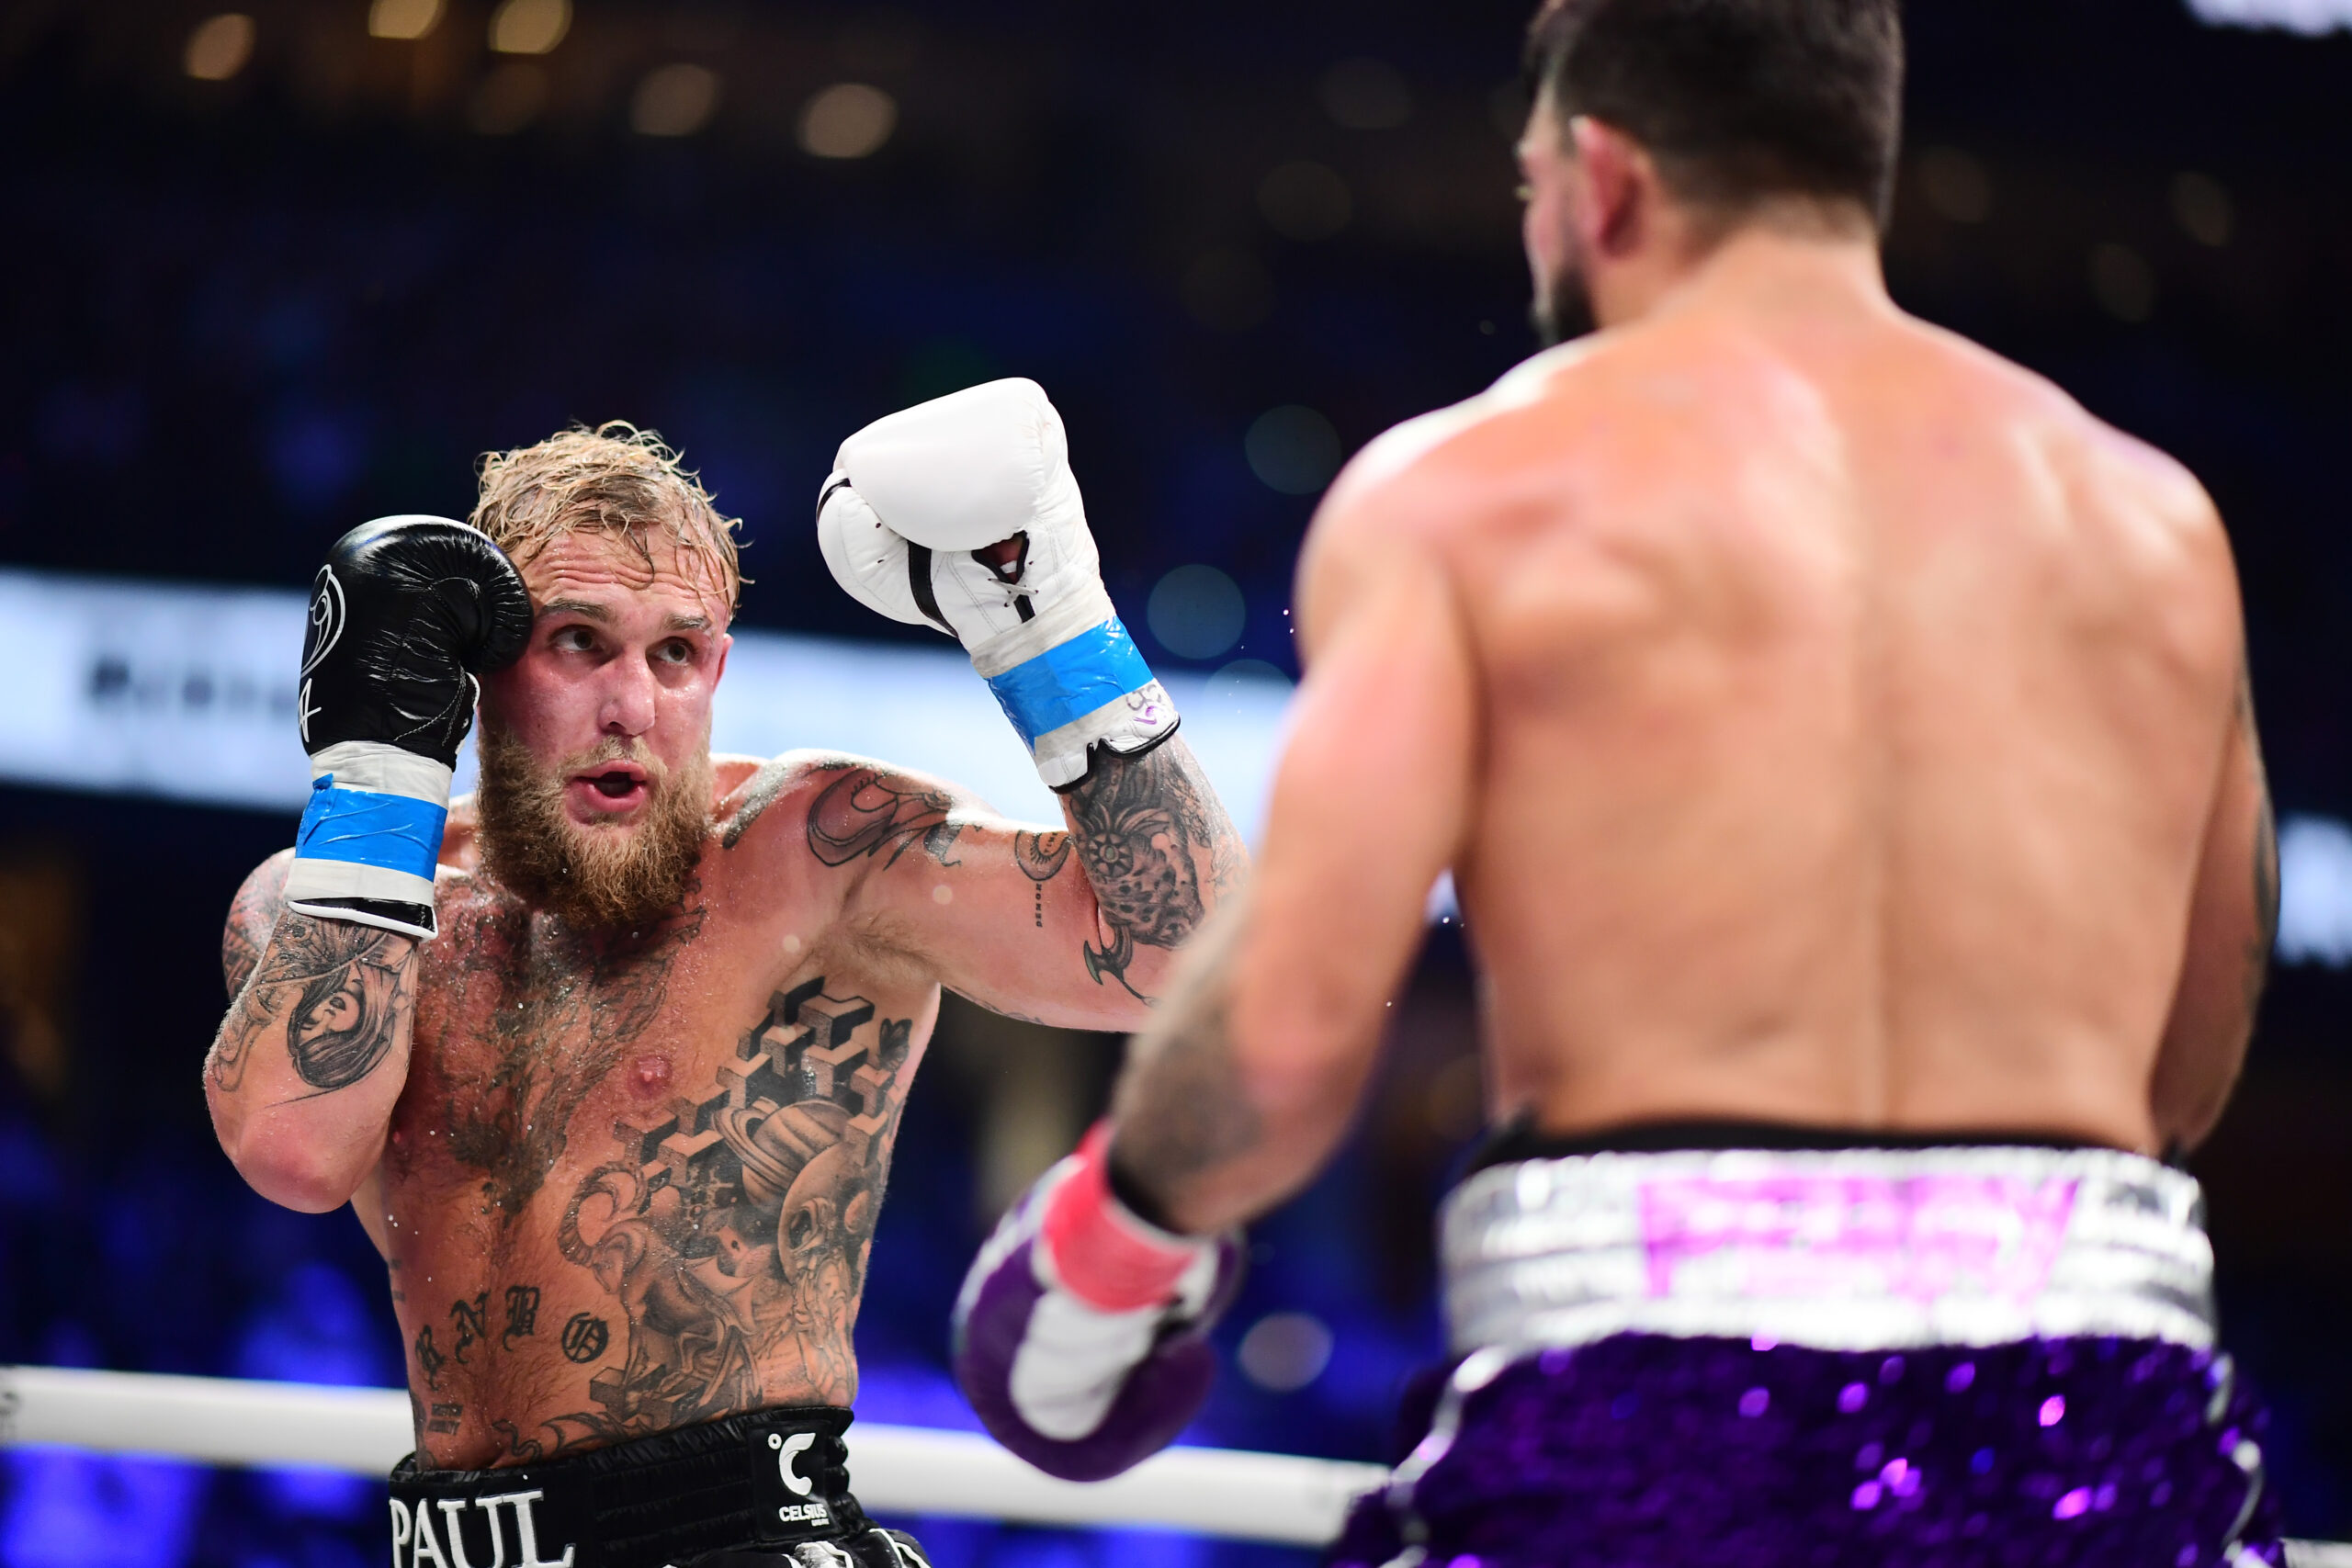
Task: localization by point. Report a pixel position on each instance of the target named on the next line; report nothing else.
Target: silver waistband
(1839, 1249)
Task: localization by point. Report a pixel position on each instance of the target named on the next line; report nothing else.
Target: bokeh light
(529, 27)
(1293, 449)
(675, 100)
(2202, 207)
(404, 18)
(1243, 683)
(1196, 611)
(848, 119)
(220, 45)
(1284, 1351)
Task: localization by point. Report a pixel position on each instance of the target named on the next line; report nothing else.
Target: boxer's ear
(1614, 191)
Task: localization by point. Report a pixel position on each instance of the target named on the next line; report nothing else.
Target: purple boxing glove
(1081, 1331)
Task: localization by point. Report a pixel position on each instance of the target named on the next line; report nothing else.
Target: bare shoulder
(2148, 528)
(2110, 466)
(838, 806)
(1421, 487)
(2084, 450)
(1452, 445)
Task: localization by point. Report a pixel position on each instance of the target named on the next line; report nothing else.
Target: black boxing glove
(404, 614)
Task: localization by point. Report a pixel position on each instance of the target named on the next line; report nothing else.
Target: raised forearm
(311, 1058)
(1159, 853)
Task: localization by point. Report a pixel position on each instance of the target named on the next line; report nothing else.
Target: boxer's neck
(1766, 264)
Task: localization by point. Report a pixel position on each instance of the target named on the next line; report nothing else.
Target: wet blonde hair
(614, 479)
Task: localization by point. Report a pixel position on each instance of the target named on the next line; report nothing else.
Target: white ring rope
(896, 1469)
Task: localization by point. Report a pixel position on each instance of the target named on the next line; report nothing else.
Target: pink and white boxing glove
(1081, 1330)
(962, 514)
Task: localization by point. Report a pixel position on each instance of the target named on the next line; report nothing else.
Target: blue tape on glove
(367, 828)
(1070, 680)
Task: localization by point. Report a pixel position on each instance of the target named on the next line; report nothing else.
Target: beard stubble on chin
(1564, 310)
(592, 878)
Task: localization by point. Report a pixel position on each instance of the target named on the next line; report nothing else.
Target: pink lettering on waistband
(1917, 1237)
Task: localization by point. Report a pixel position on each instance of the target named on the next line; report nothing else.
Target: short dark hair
(1738, 100)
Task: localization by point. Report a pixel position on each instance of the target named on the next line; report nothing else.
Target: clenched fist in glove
(1081, 1330)
(962, 514)
(406, 611)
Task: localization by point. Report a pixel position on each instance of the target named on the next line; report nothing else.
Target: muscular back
(1854, 709)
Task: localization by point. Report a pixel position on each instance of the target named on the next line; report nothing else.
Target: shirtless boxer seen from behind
(1842, 745)
(621, 1127)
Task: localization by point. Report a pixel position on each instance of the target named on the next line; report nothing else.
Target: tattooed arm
(1247, 1079)
(1072, 925)
(1157, 851)
(314, 1051)
(2232, 919)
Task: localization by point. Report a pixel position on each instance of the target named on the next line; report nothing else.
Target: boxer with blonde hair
(609, 1060)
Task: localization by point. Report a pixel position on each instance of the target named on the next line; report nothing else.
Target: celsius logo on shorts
(787, 1450)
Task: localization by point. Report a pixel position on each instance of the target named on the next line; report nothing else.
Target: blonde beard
(593, 879)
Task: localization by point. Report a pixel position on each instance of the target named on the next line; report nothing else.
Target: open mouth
(614, 786)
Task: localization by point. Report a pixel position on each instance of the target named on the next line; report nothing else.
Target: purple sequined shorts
(1748, 1359)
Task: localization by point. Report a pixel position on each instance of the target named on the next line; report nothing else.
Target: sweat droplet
(1754, 1402)
(2053, 1410)
(2071, 1505)
(1852, 1397)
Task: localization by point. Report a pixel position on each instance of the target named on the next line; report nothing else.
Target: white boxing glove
(912, 500)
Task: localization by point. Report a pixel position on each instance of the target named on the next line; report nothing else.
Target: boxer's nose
(628, 698)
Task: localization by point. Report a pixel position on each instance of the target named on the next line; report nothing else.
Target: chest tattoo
(554, 1013)
(729, 1228)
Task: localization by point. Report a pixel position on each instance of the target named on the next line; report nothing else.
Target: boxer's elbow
(293, 1170)
(298, 1179)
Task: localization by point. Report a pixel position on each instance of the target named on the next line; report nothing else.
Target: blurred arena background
(274, 271)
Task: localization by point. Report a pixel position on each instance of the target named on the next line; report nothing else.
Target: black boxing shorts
(767, 1489)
